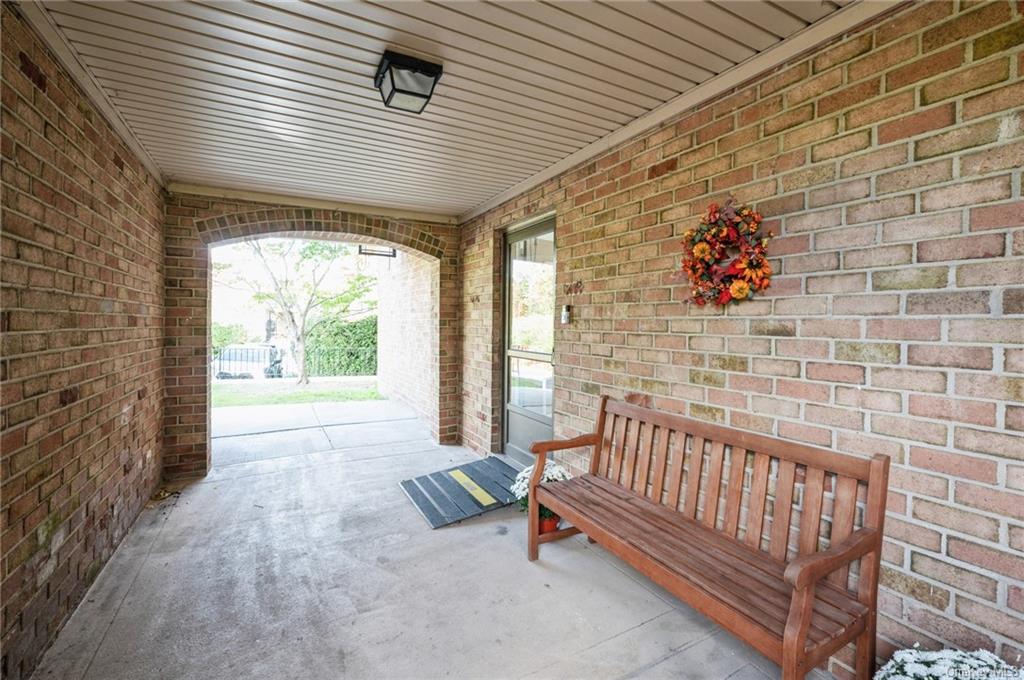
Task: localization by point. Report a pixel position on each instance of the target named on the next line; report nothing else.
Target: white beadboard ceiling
(279, 97)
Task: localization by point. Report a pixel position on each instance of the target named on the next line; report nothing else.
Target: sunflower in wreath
(724, 257)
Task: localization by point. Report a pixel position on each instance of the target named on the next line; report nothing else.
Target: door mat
(463, 491)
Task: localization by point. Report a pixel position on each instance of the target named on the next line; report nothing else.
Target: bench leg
(865, 659)
(799, 620)
(532, 528)
(590, 540)
(792, 673)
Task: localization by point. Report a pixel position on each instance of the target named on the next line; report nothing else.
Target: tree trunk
(300, 361)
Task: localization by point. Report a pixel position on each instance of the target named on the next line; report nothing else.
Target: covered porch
(551, 178)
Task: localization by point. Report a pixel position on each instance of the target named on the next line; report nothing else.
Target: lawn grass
(260, 393)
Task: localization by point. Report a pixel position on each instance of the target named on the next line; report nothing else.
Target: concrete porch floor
(317, 566)
(243, 434)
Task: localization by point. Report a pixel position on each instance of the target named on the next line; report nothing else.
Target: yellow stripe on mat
(469, 485)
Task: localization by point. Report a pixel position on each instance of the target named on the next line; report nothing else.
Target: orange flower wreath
(726, 234)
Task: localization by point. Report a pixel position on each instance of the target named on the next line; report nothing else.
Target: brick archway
(313, 223)
(194, 223)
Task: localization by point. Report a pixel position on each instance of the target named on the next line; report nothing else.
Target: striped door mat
(463, 491)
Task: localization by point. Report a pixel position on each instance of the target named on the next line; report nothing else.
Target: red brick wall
(889, 165)
(407, 333)
(193, 223)
(482, 318)
(82, 291)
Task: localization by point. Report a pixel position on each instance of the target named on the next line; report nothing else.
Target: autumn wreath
(724, 257)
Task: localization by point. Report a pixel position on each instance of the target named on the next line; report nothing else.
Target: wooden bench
(734, 524)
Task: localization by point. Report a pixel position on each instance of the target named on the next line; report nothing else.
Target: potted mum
(918, 664)
(553, 472)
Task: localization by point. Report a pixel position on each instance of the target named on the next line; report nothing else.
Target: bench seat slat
(723, 588)
(838, 605)
(701, 556)
(755, 635)
(736, 568)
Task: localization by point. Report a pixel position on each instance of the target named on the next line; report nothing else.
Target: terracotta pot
(549, 524)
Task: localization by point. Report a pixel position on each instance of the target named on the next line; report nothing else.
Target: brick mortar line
(155, 256)
(834, 162)
(123, 183)
(806, 190)
(157, 371)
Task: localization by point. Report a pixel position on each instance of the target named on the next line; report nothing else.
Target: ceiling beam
(835, 24)
(54, 38)
(303, 202)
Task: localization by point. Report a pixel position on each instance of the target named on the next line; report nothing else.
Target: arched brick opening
(194, 224)
(316, 223)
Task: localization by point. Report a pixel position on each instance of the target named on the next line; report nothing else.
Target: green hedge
(337, 347)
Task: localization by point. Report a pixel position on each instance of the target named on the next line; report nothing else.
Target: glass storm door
(529, 337)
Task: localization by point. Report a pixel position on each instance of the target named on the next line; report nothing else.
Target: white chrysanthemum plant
(947, 664)
(553, 472)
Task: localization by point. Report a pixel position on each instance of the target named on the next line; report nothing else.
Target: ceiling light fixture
(406, 83)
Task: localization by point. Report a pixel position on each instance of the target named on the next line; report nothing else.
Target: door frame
(535, 225)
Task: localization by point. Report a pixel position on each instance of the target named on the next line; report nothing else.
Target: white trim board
(530, 221)
(302, 202)
(835, 24)
(53, 38)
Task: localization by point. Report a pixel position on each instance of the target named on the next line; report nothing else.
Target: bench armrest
(809, 569)
(541, 450)
(562, 444)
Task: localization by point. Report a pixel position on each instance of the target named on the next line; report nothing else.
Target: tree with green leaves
(303, 284)
(227, 334)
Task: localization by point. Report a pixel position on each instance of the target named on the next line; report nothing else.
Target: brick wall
(482, 319)
(888, 163)
(407, 333)
(82, 318)
(193, 223)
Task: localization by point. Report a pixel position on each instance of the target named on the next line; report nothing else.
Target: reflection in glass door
(529, 337)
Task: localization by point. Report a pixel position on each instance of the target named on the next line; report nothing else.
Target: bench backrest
(781, 497)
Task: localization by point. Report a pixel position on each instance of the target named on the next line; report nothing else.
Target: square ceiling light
(406, 83)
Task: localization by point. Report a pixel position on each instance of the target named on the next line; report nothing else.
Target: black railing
(270, 362)
(246, 362)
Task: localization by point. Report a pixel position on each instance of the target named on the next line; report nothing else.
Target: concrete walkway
(243, 434)
(315, 565)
